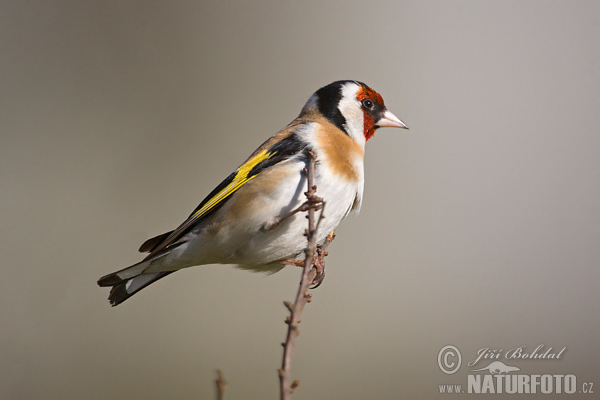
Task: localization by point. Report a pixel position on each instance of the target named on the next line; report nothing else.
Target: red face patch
(369, 115)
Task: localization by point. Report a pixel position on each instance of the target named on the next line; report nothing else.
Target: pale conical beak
(389, 120)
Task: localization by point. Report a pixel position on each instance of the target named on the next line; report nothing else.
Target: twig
(221, 384)
(308, 276)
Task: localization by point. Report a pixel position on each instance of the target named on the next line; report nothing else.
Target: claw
(319, 264)
(319, 278)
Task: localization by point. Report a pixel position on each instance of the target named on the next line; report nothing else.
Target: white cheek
(351, 110)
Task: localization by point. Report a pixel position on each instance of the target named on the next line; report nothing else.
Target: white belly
(235, 233)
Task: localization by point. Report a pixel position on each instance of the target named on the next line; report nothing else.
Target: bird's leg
(294, 262)
(318, 263)
(319, 260)
(313, 201)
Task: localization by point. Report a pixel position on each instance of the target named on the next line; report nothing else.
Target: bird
(248, 220)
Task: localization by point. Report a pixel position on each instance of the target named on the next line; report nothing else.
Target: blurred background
(480, 227)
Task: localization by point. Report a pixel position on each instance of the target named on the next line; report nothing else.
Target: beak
(389, 120)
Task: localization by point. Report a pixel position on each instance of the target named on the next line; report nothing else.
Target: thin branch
(221, 384)
(312, 258)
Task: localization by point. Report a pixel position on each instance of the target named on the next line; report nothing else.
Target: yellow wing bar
(240, 178)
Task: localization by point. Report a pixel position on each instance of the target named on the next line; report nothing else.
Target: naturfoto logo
(488, 375)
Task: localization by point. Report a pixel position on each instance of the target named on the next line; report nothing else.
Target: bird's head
(353, 107)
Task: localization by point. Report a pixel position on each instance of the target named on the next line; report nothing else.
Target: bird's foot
(319, 262)
(313, 201)
(319, 265)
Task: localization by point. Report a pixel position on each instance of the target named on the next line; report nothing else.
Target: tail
(127, 282)
(480, 369)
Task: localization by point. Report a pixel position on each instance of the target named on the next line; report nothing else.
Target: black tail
(124, 288)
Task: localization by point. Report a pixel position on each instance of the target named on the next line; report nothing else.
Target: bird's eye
(368, 104)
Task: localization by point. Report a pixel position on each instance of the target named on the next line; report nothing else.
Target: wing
(278, 148)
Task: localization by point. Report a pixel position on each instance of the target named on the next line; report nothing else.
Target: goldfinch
(239, 222)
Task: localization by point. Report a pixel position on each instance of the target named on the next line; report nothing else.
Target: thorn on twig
(288, 305)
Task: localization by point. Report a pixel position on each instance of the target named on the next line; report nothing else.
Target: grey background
(480, 226)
